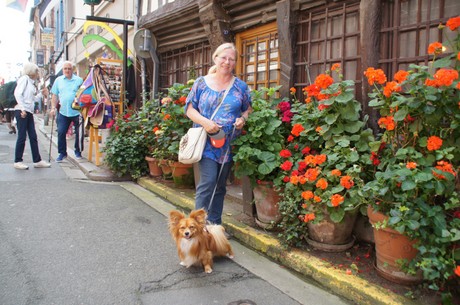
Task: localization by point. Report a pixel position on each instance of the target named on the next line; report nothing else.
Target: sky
(14, 40)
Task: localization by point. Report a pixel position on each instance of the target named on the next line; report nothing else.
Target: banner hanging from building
(17, 4)
(47, 37)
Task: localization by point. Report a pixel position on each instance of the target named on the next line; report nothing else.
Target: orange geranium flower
(401, 76)
(318, 129)
(320, 159)
(387, 122)
(297, 129)
(322, 184)
(312, 90)
(312, 174)
(434, 143)
(292, 90)
(446, 167)
(167, 117)
(309, 217)
(347, 182)
(294, 180)
(375, 76)
(336, 172)
(457, 271)
(458, 56)
(308, 100)
(391, 87)
(307, 195)
(335, 67)
(323, 81)
(317, 199)
(336, 200)
(435, 48)
(411, 165)
(453, 23)
(442, 77)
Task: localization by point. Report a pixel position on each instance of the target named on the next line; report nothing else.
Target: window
(178, 66)
(408, 27)
(327, 36)
(258, 63)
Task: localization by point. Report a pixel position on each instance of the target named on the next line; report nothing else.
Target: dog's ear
(199, 215)
(175, 217)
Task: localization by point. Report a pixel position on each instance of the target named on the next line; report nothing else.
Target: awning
(46, 6)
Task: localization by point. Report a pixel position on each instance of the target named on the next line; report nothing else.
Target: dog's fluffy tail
(222, 245)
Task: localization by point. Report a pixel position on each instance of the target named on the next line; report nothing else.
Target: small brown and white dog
(196, 242)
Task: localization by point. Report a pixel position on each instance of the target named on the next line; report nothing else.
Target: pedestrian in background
(204, 97)
(64, 90)
(27, 94)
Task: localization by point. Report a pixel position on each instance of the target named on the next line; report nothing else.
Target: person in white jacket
(26, 94)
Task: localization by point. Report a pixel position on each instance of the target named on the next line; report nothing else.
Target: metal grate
(328, 35)
(178, 66)
(408, 27)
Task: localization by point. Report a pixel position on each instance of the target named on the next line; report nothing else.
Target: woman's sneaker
(20, 165)
(42, 164)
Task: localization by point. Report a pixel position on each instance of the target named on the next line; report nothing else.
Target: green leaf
(442, 63)
(337, 215)
(413, 225)
(400, 115)
(344, 97)
(408, 185)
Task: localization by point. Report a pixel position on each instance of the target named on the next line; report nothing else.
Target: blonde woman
(27, 94)
(201, 102)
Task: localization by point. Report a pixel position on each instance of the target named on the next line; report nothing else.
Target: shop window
(178, 66)
(258, 62)
(408, 27)
(326, 36)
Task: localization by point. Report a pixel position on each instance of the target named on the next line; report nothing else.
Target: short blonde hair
(29, 69)
(222, 47)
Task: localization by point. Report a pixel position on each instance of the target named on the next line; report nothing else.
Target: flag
(17, 4)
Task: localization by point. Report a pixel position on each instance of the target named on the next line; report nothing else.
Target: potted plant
(324, 165)
(172, 126)
(256, 151)
(126, 148)
(417, 160)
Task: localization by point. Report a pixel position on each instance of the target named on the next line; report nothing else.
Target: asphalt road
(67, 240)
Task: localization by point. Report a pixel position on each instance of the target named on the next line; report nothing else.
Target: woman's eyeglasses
(229, 59)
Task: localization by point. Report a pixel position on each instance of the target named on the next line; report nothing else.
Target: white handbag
(192, 144)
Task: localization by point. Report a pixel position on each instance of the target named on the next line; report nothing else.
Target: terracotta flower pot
(166, 169)
(182, 175)
(329, 236)
(391, 246)
(154, 167)
(266, 200)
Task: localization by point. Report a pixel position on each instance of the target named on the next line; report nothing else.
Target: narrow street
(68, 240)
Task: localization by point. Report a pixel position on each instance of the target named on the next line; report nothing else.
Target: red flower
(285, 153)
(457, 271)
(323, 81)
(411, 165)
(306, 149)
(375, 158)
(286, 166)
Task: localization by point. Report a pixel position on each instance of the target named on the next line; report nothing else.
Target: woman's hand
(211, 127)
(240, 122)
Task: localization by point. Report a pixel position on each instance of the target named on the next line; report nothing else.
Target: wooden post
(286, 12)
(215, 21)
(370, 11)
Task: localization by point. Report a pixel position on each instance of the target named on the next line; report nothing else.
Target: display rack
(113, 78)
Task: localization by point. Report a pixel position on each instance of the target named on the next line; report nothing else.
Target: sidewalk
(324, 268)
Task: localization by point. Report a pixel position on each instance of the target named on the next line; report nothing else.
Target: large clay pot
(391, 246)
(329, 236)
(266, 200)
(166, 169)
(182, 175)
(154, 167)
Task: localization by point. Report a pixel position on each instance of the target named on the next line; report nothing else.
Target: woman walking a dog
(204, 98)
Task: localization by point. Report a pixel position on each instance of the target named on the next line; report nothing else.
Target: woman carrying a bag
(204, 98)
(26, 94)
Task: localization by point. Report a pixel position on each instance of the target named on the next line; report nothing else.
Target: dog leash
(221, 168)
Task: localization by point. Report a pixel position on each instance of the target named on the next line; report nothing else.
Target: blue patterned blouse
(205, 101)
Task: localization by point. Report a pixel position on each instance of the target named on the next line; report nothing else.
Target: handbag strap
(223, 97)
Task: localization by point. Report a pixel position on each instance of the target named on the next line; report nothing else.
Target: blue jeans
(209, 170)
(63, 123)
(26, 126)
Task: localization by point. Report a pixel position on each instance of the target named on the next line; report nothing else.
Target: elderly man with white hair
(27, 94)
